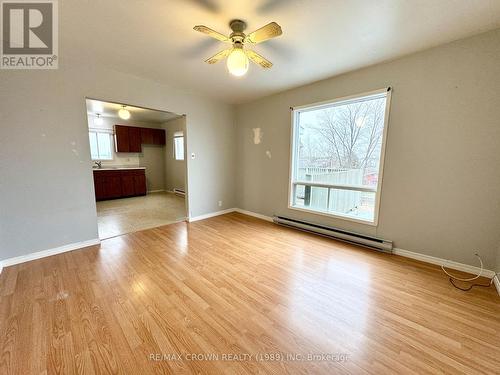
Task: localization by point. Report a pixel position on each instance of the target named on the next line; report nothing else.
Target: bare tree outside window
(340, 145)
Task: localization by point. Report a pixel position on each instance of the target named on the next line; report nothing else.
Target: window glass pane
(349, 203)
(341, 144)
(354, 204)
(104, 145)
(179, 148)
(311, 197)
(94, 153)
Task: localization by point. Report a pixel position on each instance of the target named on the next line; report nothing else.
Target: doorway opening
(139, 166)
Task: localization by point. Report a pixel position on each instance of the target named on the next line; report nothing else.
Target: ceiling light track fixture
(238, 56)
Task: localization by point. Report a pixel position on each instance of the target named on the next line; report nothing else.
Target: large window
(100, 145)
(179, 146)
(337, 156)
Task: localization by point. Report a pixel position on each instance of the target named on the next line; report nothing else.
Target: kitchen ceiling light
(98, 119)
(123, 113)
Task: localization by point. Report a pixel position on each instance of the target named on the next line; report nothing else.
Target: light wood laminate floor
(126, 215)
(238, 285)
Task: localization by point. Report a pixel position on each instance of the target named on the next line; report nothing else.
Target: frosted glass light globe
(124, 114)
(237, 62)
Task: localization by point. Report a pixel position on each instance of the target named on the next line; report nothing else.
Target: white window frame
(179, 134)
(110, 134)
(293, 152)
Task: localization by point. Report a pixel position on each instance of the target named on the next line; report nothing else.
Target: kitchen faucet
(98, 163)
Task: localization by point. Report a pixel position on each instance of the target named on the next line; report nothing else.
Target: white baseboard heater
(340, 234)
(180, 192)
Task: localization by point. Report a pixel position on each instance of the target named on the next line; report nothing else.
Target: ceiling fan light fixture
(237, 62)
(238, 58)
(124, 113)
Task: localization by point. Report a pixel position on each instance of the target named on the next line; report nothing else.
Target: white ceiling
(108, 109)
(155, 38)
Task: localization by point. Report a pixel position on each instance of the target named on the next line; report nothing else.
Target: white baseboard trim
(48, 253)
(211, 214)
(443, 262)
(496, 281)
(254, 214)
(229, 210)
(156, 191)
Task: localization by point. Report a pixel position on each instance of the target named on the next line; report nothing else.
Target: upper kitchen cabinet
(130, 138)
(158, 137)
(147, 136)
(134, 139)
(122, 142)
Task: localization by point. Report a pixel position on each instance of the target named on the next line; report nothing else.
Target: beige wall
(175, 170)
(46, 189)
(153, 158)
(441, 188)
(497, 269)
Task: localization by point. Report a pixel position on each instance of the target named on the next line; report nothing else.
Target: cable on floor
(453, 278)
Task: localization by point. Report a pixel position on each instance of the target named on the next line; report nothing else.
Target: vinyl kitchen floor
(120, 216)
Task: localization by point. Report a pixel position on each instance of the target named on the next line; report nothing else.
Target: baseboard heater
(179, 192)
(340, 234)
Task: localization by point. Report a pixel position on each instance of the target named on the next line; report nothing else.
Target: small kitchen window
(179, 146)
(101, 145)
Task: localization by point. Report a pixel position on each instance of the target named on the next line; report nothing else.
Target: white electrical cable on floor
(472, 278)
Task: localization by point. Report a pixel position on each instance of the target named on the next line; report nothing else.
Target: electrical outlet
(220, 203)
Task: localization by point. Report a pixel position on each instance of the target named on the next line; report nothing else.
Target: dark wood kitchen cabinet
(133, 182)
(147, 136)
(128, 184)
(134, 139)
(119, 183)
(122, 142)
(107, 185)
(158, 137)
(131, 138)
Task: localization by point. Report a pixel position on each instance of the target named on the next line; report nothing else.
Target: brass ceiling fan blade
(258, 59)
(212, 33)
(218, 56)
(271, 30)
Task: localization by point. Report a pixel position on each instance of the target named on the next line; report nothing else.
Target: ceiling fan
(238, 55)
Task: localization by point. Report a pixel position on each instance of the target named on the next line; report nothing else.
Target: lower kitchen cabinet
(119, 183)
(140, 184)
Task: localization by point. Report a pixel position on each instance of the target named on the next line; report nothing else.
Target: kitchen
(139, 166)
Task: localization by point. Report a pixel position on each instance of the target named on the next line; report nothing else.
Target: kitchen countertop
(116, 168)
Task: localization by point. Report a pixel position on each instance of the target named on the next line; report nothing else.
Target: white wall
(46, 189)
(175, 172)
(441, 188)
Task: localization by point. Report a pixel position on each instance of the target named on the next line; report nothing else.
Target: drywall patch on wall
(257, 135)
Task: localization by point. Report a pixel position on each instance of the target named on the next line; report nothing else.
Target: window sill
(336, 216)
